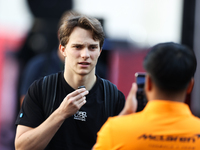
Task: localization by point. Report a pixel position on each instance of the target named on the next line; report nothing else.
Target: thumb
(132, 92)
(131, 102)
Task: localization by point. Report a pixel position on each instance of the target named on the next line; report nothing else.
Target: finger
(79, 92)
(132, 92)
(78, 98)
(81, 95)
(81, 103)
(134, 88)
(82, 91)
(131, 99)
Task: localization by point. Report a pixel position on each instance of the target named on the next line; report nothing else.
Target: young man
(77, 114)
(166, 123)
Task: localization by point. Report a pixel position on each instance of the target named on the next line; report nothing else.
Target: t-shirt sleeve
(104, 137)
(31, 113)
(120, 103)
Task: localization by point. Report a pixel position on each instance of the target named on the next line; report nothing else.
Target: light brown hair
(82, 21)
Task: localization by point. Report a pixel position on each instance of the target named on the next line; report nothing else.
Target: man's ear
(62, 50)
(148, 83)
(190, 86)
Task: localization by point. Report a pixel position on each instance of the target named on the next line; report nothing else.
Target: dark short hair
(170, 65)
(65, 16)
(82, 21)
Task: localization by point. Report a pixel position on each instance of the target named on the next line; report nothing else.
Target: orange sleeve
(103, 137)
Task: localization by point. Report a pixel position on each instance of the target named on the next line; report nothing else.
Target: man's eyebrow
(75, 44)
(93, 44)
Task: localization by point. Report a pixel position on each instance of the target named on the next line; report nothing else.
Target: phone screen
(140, 81)
(140, 95)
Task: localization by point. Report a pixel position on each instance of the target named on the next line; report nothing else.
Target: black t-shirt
(79, 131)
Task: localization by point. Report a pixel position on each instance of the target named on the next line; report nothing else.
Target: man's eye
(93, 47)
(77, 46)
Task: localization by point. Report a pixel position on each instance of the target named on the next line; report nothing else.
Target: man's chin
(83, 73)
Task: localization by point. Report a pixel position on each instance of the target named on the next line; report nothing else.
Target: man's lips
(84, 64)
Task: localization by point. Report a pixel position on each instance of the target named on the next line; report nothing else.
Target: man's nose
(85, 53)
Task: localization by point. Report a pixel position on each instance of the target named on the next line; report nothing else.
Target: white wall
(15, 15)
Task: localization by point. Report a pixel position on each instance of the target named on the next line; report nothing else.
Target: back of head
(82, 21)
(171, 66)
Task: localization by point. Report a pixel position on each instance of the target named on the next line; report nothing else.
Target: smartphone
(81, 87)
(140, 95)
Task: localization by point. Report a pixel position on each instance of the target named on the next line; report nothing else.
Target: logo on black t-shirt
(80, 115)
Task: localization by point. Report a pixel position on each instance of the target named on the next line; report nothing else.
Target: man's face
(81, 52)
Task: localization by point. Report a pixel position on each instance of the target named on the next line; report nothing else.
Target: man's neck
(75, 80)
(179, 96)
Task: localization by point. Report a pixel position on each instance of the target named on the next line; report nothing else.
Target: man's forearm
(39, 137)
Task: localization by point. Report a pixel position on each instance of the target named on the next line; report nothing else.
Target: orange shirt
(162, 125)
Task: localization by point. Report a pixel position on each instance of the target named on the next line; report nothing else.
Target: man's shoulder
(129, 117)
(58, 75)
(50, 77)
(109, 84)
(106, 80)
(121, 123)
(194, 121)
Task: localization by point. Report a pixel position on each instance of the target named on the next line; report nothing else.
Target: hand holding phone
(131, 102)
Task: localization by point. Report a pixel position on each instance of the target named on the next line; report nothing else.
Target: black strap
(110, 97)
(49, 87)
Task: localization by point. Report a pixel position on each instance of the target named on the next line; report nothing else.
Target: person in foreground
(166, 122)
(78, 113)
